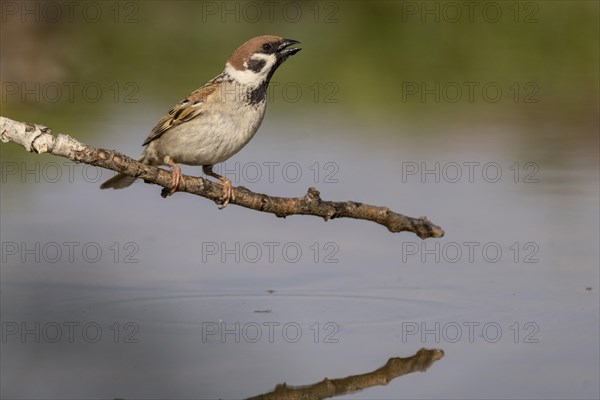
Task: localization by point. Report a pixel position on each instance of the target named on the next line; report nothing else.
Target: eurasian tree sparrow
(215, 121)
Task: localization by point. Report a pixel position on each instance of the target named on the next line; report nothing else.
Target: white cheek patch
(249, 77)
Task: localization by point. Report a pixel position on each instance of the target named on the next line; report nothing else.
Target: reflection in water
(393, 368)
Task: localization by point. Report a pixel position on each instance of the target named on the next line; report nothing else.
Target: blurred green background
(370, 61)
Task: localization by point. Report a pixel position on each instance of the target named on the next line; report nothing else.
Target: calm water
(135, 296)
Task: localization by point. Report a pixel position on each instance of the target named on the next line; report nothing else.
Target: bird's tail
(120, 181)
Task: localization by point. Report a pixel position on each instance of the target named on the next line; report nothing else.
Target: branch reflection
(393, 368)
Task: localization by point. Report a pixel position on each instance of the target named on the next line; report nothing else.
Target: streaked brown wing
(185, 110)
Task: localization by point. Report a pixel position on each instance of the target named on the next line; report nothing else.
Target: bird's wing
(187, 109)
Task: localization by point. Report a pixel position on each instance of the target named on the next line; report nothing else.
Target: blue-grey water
(124, 294)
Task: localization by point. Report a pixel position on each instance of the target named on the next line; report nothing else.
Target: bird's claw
(175, 177)
(175, 181)
(227, 193)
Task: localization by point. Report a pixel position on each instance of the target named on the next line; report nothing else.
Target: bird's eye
(266, 46)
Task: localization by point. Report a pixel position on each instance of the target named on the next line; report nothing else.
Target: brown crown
(253, 45)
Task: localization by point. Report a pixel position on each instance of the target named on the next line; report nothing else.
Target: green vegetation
(369, 58)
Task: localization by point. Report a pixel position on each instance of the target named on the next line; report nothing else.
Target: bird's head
(255, 61)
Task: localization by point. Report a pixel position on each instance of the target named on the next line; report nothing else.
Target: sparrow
(215, 121)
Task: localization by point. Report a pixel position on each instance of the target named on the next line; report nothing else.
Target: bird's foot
(227, 187)
(176, 176)
(227, 193)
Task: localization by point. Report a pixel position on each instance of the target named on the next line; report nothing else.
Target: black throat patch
(259, 94)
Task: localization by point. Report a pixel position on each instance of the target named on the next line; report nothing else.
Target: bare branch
(40, 139)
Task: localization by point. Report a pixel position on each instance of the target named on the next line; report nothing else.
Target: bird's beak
(284, 50)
